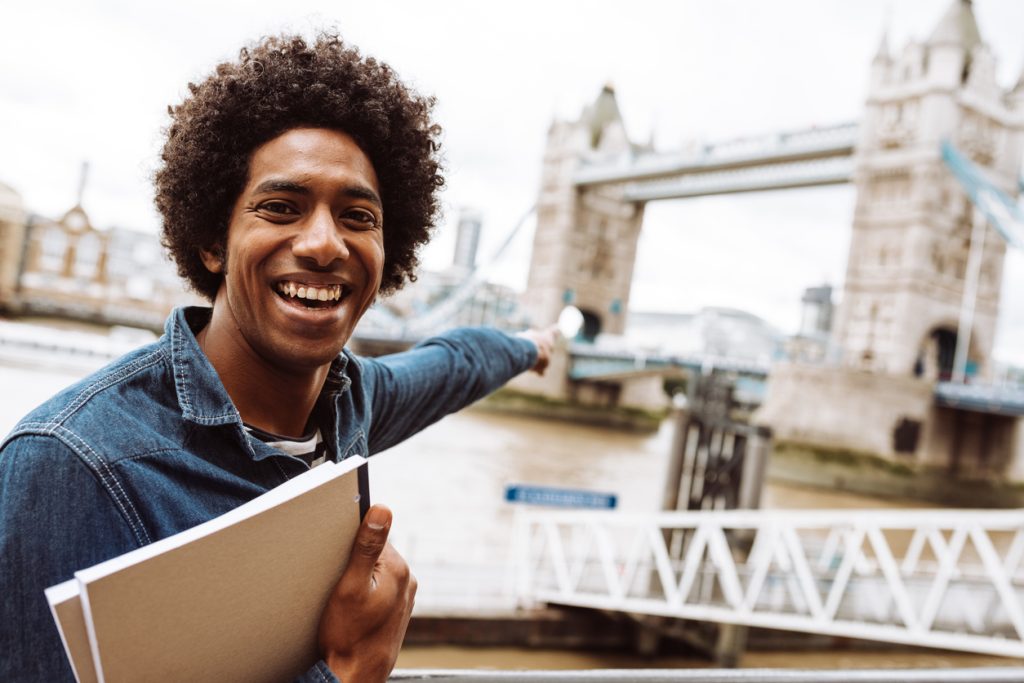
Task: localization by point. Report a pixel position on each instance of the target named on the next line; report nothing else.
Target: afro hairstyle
(278, 84)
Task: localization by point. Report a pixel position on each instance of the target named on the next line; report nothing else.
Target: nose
(321, 240)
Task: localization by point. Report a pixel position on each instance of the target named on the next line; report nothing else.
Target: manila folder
(237, 598)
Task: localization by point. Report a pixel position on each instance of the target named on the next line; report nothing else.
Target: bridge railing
(946, 579)
(970, 675)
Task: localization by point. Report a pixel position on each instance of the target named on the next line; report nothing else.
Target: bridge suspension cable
(441, 312)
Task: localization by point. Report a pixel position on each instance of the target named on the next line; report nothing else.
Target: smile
(313, 296)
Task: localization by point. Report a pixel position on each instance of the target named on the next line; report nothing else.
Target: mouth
(312, 296)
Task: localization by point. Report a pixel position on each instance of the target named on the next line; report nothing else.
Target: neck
(275, 398)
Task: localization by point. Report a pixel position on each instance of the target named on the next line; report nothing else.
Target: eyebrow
(353, 191)
(280, 186)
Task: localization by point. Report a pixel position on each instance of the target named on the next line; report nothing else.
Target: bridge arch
(591, 325)
(937, 350)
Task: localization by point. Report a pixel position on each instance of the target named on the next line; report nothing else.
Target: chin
(308, 359)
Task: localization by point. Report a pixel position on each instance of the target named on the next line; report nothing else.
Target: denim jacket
(152, 445)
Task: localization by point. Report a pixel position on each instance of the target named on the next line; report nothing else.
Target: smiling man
(297, 183)
(302, 263)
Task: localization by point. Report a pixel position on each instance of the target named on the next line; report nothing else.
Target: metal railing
(973, 675)
(949, 579)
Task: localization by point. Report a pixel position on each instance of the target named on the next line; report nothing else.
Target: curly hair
(278, 84)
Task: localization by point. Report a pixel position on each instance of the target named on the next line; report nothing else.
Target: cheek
(375, 257)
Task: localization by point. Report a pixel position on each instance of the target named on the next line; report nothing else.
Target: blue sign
(1005, 215)
(556, 497)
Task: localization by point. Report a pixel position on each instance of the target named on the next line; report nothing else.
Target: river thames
(446, 487)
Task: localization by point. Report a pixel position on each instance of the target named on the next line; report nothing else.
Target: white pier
(948, 579)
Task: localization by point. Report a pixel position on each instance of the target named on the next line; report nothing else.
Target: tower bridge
(920, 303)
(924, 272)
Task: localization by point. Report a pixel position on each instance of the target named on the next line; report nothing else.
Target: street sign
(558, 497)
(1005, 215)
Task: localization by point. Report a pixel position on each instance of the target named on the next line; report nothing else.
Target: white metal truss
(950, 579)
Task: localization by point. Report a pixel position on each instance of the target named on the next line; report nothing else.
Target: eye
(277, 207)
(361, 219)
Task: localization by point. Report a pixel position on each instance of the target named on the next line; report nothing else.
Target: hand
(364, 621)
(544, 340)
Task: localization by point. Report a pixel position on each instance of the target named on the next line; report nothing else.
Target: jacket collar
(201, 394)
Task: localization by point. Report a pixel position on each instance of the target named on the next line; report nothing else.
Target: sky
(91, 80)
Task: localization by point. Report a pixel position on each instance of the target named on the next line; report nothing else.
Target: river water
(446, 487)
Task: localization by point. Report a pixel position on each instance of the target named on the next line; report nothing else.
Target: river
(446, 488)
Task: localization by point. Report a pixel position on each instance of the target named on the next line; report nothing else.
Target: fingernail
(376, 518)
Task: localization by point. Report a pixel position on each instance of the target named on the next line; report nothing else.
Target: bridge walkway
(950, 579)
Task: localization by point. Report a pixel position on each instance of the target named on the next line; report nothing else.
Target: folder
(238, 597)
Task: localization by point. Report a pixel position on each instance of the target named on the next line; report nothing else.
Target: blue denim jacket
(152, 445)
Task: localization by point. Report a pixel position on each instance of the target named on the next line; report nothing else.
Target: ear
(213, 259)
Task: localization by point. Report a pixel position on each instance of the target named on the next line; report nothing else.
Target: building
(13, 221)
(585, 254)
(467, 241)
(912, 222)
(712, 331)
(812, 342)
(897, 327)
(69, 269)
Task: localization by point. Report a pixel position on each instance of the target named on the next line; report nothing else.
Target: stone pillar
(912, 220)
(585, 243)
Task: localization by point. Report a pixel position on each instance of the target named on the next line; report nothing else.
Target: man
(296, 184)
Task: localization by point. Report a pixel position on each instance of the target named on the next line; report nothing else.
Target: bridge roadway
(950, 579)
(589, 363)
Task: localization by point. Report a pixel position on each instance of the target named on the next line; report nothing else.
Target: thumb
(369, 544)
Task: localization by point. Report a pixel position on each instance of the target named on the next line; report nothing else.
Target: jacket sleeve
(411, 390)
(55, 518)
(319, 673)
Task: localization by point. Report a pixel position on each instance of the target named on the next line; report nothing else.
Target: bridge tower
(898, 322)
(585, 243)
(912, 222)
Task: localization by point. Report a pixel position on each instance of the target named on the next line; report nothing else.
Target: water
(446, 487)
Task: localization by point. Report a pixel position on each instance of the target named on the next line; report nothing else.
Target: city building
(70, 269)
(812, 341)
(712, 331)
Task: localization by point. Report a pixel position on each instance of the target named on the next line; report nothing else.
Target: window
(53, 248)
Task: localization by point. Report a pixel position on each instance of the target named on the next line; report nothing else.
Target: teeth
(328, 293)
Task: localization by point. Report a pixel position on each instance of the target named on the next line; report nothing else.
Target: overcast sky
(91, 80)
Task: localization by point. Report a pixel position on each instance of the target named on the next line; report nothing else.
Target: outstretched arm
(410, 390)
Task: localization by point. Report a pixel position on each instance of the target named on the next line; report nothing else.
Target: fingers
(371, 539)
(364, 621)
(544, 340)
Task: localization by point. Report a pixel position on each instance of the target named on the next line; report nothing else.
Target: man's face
(305, 248)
